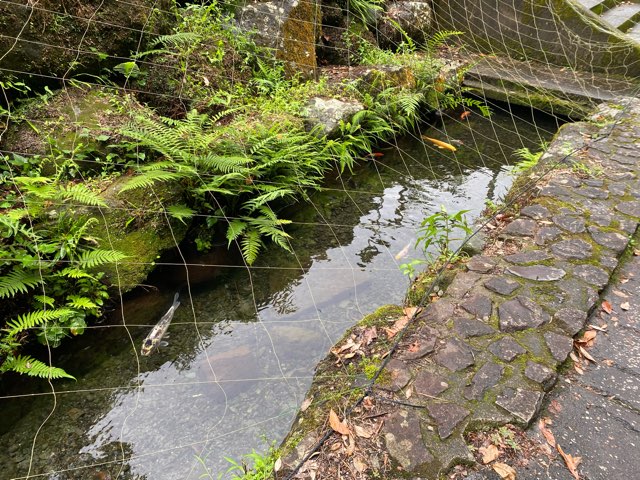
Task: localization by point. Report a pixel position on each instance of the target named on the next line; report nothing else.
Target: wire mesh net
(167, 147)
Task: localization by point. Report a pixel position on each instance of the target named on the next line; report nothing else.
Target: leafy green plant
(528, 160)
(252, 466)
(505, 437)
(439, 230)
(365, 11)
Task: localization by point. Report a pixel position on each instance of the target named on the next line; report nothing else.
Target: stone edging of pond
(487, 351)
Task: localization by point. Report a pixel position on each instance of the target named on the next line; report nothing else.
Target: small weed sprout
(437, 232)
(528, 160)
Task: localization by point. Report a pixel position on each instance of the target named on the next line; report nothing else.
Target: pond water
(244, 342)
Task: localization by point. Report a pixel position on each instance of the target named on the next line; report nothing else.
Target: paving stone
(437, 312)
(467, 327)
(577, 294)
(540, 374)
(570, 223)
(546, 235)
(604, 220)
(486, 377)
(540, 273)
(522, 403)
(447, 417)
(399, 374)
(421, 344)
(555, 191)
(613, 240)
(533, 341)
(462, 284)
(593, 182)
(537, 212)
(478, 305)
(630, 208)
(565, 182)
(403, 440)
(429, 384)
(618, 189)
(520, 314)
(592, 274)
(501, 285)
(528, 256)
(608, 262)
(560, 346)
(455, 355)
(522, 227)
(572, 249)
(627, 225)
(592, 192)
(506, 349)
(481, 264)
(570, 320)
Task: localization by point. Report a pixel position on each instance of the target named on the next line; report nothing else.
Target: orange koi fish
(440, 143)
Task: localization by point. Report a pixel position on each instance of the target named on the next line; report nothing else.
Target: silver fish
(152, 341)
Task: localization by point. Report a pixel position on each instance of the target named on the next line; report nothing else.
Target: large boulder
(290, 27)
(50, 39)
(415, 19)
(327, 113)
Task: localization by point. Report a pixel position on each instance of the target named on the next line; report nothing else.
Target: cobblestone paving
(503, 327)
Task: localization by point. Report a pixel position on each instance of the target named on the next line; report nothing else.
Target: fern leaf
(80, 303)
(236, 227)
(80, 193)
(251, 244)
(72, 272)
(17, 281)
(148, 178)
(96, 257)
(27, 365)
(255, 203)
(179, 39)
(226, 164)
(32, 319)
(180, 212)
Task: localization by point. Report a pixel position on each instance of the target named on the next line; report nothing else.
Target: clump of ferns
(49, 263)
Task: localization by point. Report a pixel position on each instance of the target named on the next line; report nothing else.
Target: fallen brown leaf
(397, 326)
(359, 465)
(574, 357)
(362, 432)
(588, 336)
(410, 311)
(337, 425)
(277, 465)
(586, 354)
(305, 404)
(625, 306)
(369, 335)
(602, 328)
(618, 293)
(636, 252)
(555, 407)
(505, 471)
(606, 306)
(578, 369)
(571, 462)
(548, 435)
(489, 454)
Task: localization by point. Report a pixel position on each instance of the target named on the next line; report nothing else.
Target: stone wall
(558, 32)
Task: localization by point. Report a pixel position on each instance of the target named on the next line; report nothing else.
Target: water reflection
(243, 345)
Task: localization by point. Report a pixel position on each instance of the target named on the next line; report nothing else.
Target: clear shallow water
(244, 343)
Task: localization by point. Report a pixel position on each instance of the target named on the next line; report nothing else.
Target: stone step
(545, 87)
(622, 16)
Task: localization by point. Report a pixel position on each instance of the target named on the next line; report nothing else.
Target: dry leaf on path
(489, 454)
(602, 328)
(588, 336)
(606, 306)
(586, 354)
(359, 464)
(277, 465)
(362, 432)
(548, 435)
(337, 425)
(410, 311)
(397, 326)
(305, 404)
(571, 462)
(625, 306)
(555, 407)
(505, 471)
(369, 335)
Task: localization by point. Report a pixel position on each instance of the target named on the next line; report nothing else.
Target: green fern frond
(27, 365)
(439, 38)
(180, 212)
(176, 40)
(72, 272)
(226, 164)
(80, 193)
(148, 178)
(32, 319)
(17, 281)
(255, 203)
(96, 257)
(235, 229)
(80, 303)
(251, 243)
